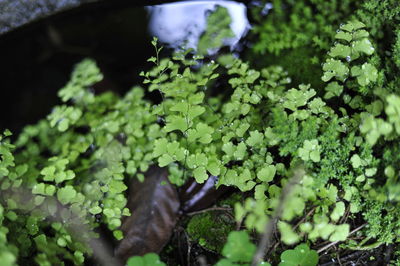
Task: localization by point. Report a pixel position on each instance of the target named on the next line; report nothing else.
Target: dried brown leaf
(154, 205)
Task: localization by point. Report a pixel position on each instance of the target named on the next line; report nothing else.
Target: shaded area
(17, 13)
(37, 61)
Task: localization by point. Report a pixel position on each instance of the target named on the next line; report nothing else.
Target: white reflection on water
(182, 23)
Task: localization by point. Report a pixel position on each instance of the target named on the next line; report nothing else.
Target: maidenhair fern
(252, 128)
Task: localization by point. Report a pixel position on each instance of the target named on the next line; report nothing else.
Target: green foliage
(218, 30)
(149, 259)
(210, 230)
(59, 184)
(238, 247)
(299, 256)
(75, 180)
(297, 34)
(352, 43)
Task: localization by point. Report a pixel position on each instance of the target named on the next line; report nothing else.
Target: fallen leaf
(195, 196)
(154, 206)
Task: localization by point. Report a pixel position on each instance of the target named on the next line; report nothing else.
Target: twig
(346, 258)
(304, 218)
(266, 237)
(208, 210)
(335, 242)
(239, 224)
(345, 216)
(338, 258)
(188, 247)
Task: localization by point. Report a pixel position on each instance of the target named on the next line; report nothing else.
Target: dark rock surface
(15, 13)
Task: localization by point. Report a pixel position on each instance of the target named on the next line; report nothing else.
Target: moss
(210, 229)
(231, 200)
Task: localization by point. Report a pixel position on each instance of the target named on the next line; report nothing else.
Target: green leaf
(109, 213)
(61, 242)
(160, 147)
(116, 186)
(302, 255)
(342, 35)
(363, 46)
(360, 34)
(39, 189)
(310, 151)
(370, 172)
(196, 98)
(38, 200)
(256, 138)
(289, 237)
(195, 111)
(241, 129)
(175, 123)
(338, 211)
(214, 168)
(118, 234)
(315, 156)
(201, 159)
(298, 97)
(200, 174)
(61, 176)
(149, 259)
(48, 173)
(238, 247)
(228, 148)
(245, 109)
(352, 26)
(202, 133)
(240, 152)
(226, 262)
(267, 173)
(165, 160)
(341, 232)
(95, 210)
(340, 51)
(182, 107)
(356, 161)
(316, 105)
(334, 68)
(50, 190)
(365, 74)
(66, 194)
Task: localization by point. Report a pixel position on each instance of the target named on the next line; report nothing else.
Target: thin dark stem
(208, 210)
(269, 227)
(335, 242)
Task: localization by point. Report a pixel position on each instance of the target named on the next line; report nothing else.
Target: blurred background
(40, 41)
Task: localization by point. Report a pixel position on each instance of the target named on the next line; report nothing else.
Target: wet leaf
(340, 50)
(334, 68)
(196, 196)
(341, 233)
(363, 46)
(333, 89)
(238, 248)
(365, 74)
(154, 205)
(302, 255)
(342, 35)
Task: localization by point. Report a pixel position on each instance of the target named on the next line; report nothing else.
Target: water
(181, 24)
